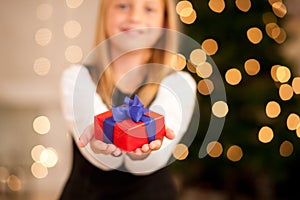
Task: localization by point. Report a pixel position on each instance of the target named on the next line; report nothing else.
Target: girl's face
(133, 18)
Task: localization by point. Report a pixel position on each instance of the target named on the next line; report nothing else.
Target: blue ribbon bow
(133, 109)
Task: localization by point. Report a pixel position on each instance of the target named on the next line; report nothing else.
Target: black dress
(89, 182)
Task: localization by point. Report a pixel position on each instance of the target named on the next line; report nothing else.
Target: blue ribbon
(134, 110)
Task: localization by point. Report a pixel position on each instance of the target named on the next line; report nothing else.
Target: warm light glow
(4, 173)
(36, 152)
(177, 62)
(252, 67)
(233, 76)
(286, 149)
(14, 183)
(38, 170)
(279, 9)
(234, 153)
(293, 122)
(274, 72)
(269, 17)
(180, 152)
(41, 66)
(214, 149)
(73, 54)
(41, 125)
(43, 36)
(205, 87)
(298, 131)
(217, 5)
(243, 5)
(210, 46)
(197, 57)
(283, 74)
(72, 29)
(204, 70)
(296, 85)
(274, 1)
(254, 35)
(220, 109)
(186, 12)
(265, 134)
(74, 3)
(189, 19)
(48, 157)
(281, 38)
(191, 67)
(181, 5)
(286, 92)
(273, 109)
(44, 11)
(272, 30)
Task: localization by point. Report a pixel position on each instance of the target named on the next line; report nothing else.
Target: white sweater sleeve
(176, 101)
(80, 103)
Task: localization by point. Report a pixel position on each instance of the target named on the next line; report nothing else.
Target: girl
(129, 60)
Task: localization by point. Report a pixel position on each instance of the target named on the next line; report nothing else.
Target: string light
(214, 149)
(234, 153)
(273, 109)
(286, 149)
(220, 109)
(217, 5)
(180, 152)
(205, 87)
(233, 76)
(265, 134)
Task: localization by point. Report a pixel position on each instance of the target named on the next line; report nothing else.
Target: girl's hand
(146, 149)
(97, 146)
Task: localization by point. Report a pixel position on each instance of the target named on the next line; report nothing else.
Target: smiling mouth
(134, 31)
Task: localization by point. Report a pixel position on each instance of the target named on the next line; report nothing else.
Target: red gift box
(127, 134)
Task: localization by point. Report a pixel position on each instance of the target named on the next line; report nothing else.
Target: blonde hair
(147, 92)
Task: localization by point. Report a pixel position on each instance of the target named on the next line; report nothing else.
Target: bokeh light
(205, 87)
(181, 5)
(43, 36)
(279, 9)
(243, 5)
(4, 173)
(296, 85)
(269, 17)
(177, 62)
(286, 149)
(190, 18)
(74, 3)
(293, 121)
(14, 183)
(41, 66)
(204, 70)
(254, 35)
(48, 157)
(72, 29)
(44, 11)
(234, 153)
(38, 170)
(274, 72)
(273, 109)
(220, 109)
(214, 149)
(216, 5)
(286, 92)
(191, 67)
(73, 54)
(283, 74)
(281, 38)
(210, 46)
(41, 125)
(252, 67)
(36, 152)
(265, 134)
(197, 57)
(233, 76)
(180, 152)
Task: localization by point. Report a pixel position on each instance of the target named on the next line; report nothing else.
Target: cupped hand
(146, 149)
(97, 146)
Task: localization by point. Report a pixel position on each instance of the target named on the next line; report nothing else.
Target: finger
(86, 136)
(145, 148)
(138, 151)
(155, 145)
(170, 134)
(98, 146)
(110, 148)
(117, 152)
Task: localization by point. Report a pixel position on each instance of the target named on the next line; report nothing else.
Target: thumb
(86, 136)
(170, 134)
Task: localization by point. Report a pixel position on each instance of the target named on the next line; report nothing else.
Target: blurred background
(254, 43)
